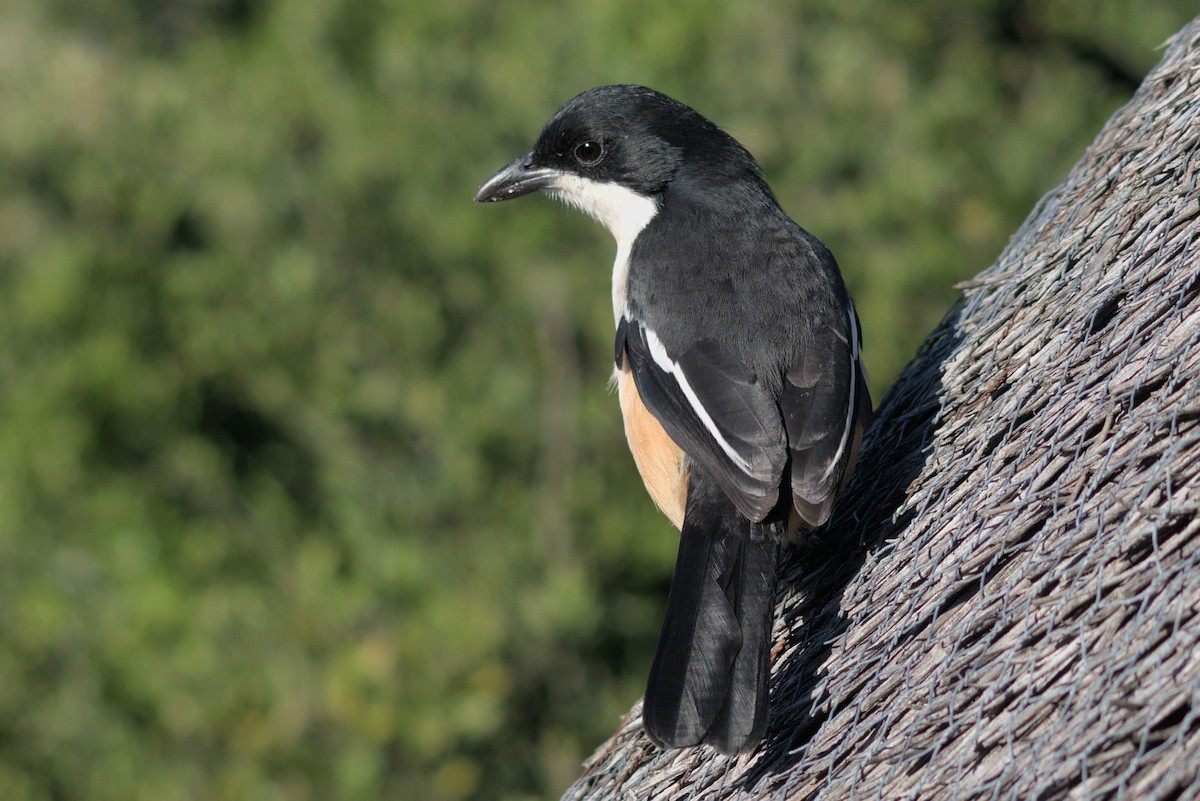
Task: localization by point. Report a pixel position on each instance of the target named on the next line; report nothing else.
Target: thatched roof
(1006, 604)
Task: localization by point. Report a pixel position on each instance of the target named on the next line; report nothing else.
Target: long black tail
(709, 680)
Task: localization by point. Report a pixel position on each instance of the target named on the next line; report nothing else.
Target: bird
(738, 372)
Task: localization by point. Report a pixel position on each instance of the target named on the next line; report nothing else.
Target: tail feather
(740, 724)
(709, 680)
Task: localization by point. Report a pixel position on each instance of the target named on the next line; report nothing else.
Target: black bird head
(616, 151)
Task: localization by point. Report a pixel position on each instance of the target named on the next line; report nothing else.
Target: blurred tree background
(310, 487)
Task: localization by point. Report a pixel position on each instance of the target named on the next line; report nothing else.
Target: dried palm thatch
(1006, 606)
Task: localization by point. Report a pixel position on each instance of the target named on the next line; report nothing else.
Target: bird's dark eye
(589, 152)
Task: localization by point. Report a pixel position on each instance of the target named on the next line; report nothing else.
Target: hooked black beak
(518, 177)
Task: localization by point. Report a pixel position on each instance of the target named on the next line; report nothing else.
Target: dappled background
(310, 486)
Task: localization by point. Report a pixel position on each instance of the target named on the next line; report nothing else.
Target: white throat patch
(622, 211)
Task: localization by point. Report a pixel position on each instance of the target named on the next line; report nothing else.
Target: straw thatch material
(1006, 604)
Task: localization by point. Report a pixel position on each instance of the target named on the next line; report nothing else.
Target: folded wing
(825, 408)
(715, 408)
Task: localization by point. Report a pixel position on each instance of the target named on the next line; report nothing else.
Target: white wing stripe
(852, 401)
(668, 365)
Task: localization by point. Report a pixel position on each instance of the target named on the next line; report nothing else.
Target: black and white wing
(825, 407)
(715, 408)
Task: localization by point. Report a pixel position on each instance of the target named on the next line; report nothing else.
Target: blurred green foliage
(310, 487)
